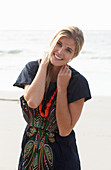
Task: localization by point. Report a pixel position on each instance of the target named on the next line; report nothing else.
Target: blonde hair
(71, 32)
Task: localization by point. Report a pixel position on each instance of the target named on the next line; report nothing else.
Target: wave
(97, 58)
(11, 52)
(6, 99)
(86, 52)
(15, 51)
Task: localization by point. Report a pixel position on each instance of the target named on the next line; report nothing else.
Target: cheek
(68, 59)
(69, 56)
(55, 49)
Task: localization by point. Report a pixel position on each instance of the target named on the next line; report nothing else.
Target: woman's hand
(45, 59)
(63, 78)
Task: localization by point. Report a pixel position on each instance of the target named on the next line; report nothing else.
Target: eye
(68, 50)
(59, 43)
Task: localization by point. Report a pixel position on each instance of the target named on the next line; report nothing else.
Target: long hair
(71, 32)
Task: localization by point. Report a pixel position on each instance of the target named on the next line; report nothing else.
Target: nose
(60, 50)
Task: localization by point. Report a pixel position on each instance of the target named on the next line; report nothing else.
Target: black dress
(42, 146)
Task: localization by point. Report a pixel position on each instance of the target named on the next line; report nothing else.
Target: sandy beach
(93, 132)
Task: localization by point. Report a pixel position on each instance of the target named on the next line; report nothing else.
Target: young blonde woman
(54, 95)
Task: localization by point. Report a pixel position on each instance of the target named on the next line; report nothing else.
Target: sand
(93, 132)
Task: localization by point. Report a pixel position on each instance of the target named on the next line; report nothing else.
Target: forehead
(69, 42)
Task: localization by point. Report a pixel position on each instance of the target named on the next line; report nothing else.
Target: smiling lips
(57, 57)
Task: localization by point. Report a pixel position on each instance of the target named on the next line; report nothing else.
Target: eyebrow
(70, 49)
(59, 42)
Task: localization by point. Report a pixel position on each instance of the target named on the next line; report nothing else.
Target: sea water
(94, 61)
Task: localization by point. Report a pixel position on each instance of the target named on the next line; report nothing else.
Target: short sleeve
(27, 74)
(78, 88)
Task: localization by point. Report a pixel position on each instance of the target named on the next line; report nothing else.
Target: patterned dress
(42, 146)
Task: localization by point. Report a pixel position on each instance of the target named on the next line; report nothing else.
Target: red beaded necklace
(48, 105)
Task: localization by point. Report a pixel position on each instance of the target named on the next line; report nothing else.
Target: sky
(52, 14)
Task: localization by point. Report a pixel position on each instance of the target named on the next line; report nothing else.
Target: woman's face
(63, 51)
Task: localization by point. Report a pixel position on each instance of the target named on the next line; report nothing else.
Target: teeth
(58, 57)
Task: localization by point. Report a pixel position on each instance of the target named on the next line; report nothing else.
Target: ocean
(94, 61)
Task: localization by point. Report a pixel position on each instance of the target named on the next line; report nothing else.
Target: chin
(55, 63)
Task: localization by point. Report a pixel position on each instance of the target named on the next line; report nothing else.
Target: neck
(54, 73)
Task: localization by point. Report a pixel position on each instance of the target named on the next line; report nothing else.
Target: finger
(45, 58)
(62, 69)
(45, 54)
(67, 68)
(67, 65)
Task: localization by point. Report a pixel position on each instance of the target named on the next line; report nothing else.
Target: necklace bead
(48, 105)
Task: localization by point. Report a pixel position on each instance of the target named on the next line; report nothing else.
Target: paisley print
(49, 154)
(29, 153)
(38, 153)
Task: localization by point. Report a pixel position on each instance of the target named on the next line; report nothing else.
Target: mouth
(57, 57)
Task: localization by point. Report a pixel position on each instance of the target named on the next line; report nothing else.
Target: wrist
(62, 90)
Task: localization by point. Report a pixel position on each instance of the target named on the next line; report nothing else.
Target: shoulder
(32, 65)
(27, 74)
(77, 76)
(78, 87)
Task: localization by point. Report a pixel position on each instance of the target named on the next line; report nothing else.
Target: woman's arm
(66, 114)
(34, 93)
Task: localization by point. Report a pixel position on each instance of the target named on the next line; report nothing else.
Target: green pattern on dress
(38, 153)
